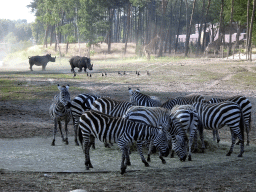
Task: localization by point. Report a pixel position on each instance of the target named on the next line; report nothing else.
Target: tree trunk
(248, 27)
(250, 31)
(111, 14)
(207, 12)
(128, 26)
(200, 28)
(189, 29)
(164, 5)
(178, 29)
(46, 35)
(230, 26)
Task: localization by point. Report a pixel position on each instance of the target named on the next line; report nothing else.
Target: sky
(16, 9)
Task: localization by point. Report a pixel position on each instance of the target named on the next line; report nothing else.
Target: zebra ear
(130, 90)
(59, 87)
(67, 86)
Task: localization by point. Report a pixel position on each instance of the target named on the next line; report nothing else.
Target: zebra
(188, 99)
(60, 110)
(111, 107)
(216, 115)
(246, 107)
(81, 103)
(159, 117)
(188, 117)
(94, 124)
(140, 99)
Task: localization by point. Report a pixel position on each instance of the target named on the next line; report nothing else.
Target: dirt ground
(26, 119)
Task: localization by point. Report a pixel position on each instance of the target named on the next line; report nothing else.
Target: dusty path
(37, 155)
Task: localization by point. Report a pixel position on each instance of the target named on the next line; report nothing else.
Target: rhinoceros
(80, 62)
(40, 61)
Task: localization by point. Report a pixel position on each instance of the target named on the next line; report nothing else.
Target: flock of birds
(138, 73)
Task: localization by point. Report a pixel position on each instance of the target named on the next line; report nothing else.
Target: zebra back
(140, 99)
(189, 99)
(111, 107)
(242, 101)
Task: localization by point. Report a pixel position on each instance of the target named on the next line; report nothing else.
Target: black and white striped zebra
(216, 115)
(160, 117)
(111, 107)
(246, 107)
(94, 124)
(188, 117)
(60, 111)
(81, 103)
(140, 99)
(185, 100)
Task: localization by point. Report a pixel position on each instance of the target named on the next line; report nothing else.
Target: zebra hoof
(87, 167)
(123, 171)
(53, 143)
(189, 158)
(128, 163)
(163, 161)
(146, 164)
(202, 150)
(240, 155)
(148, 159)
(228, 154)
(66, 141)
(247, 144)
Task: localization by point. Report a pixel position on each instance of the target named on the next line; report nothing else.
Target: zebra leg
(127, 157)
(123, 166)
(75, 123)
(162, 159)
(150, 150)
(193, 137)
(54, 131)
(233, 137)
(88, 164)
(66, 131)
(218, 136)
(63, 139)
(201, 134)
(139, 148)
(189, 147)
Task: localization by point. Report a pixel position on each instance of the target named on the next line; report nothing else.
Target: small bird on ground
(102, 74)
(138, 73)
(148, 73)
(124, 73)
(105, 73)
(87, 74)
(90, 75)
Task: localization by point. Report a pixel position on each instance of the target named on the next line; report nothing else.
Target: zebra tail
(80, 136)
(242, 123)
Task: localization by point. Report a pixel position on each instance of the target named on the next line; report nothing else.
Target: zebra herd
(171, 126)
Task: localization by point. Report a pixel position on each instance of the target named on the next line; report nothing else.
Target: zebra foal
(94, 124)
(81, 103)
(60, 111)
(216, 115)
(246, 107)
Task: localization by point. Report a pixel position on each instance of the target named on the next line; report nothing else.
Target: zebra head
(161, 143)
(64, 97)
(180, 147)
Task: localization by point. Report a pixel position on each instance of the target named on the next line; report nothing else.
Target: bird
(74, 74)
(102, 74)
(90, 75)
(148, 73)
(105, 73)
(119, 73)
(138, 73)
(124, 73)
(87, 74)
